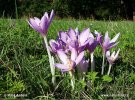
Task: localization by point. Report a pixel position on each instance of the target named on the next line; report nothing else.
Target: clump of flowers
(70, 47)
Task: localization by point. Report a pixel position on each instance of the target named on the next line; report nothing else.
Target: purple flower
(107, 44)
(92, 43)
(83, 65)
(112, 57)
(41, 25)
(69, 62)
(54, 46)
(98, 37)
(74, 39)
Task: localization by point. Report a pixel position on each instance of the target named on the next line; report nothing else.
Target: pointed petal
(91, 47)
(108, 54)
(116, 56)
(53, 45)
(37, 20)
(115, 38)
(44, 24)
(84, 35)
(73, 54)
(51, 16)
(111, 45)
(63, 57)
(61, 66)
(106, 41)
(98, 37)
(76, 30)
(80, 57)
(63, 36)
(46, 15)
(113, 54)
(72, 34)
(106, 36)
(34, 25)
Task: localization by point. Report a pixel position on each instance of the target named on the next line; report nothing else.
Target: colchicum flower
(92, 43)
(107, 44)
(83, 65)
(54, 46)
(69, 62)
(41, 25)
(112, 57)
(74, 39)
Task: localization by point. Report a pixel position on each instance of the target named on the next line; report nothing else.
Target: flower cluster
(71, 46)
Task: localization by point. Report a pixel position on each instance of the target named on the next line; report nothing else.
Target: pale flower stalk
(51, 60)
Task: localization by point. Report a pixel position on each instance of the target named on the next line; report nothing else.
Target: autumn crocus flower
(83, 65)
(69, 62)
(75, 39)
(107, 43)
(41, 25)
(55, 45)
(111, 59)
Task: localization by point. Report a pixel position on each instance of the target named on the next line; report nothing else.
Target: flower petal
(34, 25)
(63, 57)
(83, 65)
(61, 66)
(92, 46)
(37, 20)
(72, 34)
(111, 45)
(108, 54)
(54, 45)
(79, 58)
(98, 37)
(116, 56)
(44, 24)
(84, 35)
(63, 36)
(51, 16)
(73, 54)
(115, 38)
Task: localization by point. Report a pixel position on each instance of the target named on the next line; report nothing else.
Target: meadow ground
(24, 67)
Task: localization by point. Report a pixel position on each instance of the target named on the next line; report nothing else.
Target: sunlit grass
(24, 66)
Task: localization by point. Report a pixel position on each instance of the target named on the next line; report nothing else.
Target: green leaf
(132, 77)
(107, 78)
(92, 76)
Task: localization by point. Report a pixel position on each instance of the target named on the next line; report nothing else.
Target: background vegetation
(24, 67)
(96, 9)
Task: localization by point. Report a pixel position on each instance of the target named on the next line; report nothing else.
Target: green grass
(24, 67)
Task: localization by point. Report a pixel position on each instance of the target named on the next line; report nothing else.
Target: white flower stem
(51, 61)
(72, 79)
(103, 64)
(109, 69)
(92, 62)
